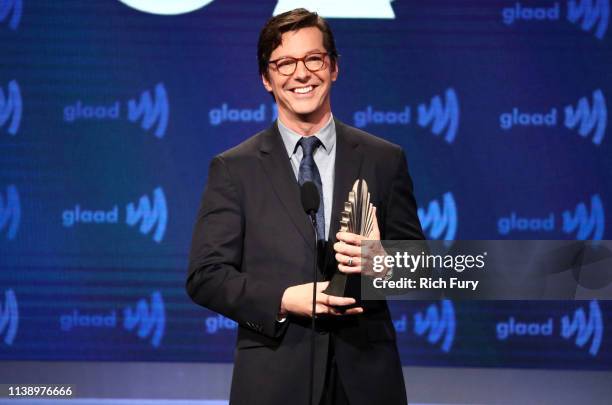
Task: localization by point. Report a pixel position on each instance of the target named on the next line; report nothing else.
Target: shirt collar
(327, 136)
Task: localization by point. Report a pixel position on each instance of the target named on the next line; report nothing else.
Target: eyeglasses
(314, 62)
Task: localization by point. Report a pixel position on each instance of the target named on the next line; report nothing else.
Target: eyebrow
(307, 53)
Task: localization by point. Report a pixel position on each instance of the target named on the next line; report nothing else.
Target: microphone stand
(313, 221)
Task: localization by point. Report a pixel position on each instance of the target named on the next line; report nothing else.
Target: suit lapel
(347, 169)
(278, 168)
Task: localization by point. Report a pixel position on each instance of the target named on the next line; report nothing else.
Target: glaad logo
(518, 118)
(584, 328)
(149, 216)
(589, 14)
(590, 120)
(380, 9)
(8, 6)
(510, 15)
(226, 114)
(10, 212)
(587, 224)
(217, 323)
(587, 119)
(440, 222)
(512, 327)
(9, 317)
(153, 111)
(438, 324)
(371, 116)
(218, 116)
(440, 116)
(153, 217)
(149, 319)
(10, 107)
(443, 117)
(76, 319)
(164, 7)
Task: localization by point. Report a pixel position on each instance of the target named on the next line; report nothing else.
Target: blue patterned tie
(310, 172)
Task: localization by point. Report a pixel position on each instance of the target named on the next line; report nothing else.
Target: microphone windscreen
(310, 197)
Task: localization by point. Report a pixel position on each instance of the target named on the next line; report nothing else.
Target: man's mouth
(303, 90)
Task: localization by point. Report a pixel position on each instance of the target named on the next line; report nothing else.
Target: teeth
(303, 90)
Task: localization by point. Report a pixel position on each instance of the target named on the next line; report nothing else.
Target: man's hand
(297, 300)
(348, 251)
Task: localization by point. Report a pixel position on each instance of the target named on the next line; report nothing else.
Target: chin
(306, 110)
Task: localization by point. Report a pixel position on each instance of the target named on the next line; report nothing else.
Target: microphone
(310, 198)
(310, 203)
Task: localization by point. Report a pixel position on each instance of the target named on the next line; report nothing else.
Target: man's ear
(334, 72)
(266, 82)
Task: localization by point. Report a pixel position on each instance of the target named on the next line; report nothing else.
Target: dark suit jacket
(252, 240)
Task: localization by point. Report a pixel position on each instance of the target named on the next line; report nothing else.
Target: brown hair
(271, 34)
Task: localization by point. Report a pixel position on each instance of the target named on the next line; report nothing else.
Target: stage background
(109, 117)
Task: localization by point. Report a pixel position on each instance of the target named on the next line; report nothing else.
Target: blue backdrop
(109, 117)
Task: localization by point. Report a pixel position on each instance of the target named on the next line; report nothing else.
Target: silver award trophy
(357, 217)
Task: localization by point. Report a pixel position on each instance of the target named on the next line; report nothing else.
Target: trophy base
(343, 285)
(337, 285)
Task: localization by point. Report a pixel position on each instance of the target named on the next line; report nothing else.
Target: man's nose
(301, 72)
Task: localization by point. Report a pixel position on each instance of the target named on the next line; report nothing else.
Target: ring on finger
(350, 262)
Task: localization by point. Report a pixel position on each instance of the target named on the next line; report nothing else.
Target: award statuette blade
(358, 218)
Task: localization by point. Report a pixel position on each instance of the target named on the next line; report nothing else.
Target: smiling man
(300, 78)
(252, 251)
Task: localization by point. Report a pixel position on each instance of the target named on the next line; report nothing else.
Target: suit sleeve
(401, 219)
(215, 279)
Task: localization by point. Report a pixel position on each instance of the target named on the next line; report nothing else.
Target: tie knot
(309, 144)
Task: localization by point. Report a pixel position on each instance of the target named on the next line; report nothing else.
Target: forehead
(300, 42)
